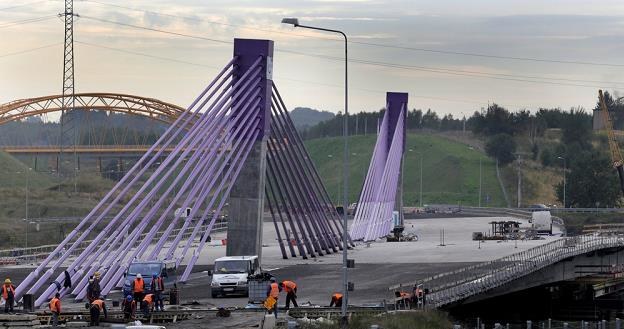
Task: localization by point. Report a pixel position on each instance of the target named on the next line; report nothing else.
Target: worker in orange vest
(55, 308)
(147, 305)
(273, 291)
(336, 300)
(291, 292)
(97, 307)
(158, 287)
(138, 287)
(8, 294)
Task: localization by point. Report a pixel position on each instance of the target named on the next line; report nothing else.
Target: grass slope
(450, 169)
(13, 174)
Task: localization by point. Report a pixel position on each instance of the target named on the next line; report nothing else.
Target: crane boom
(616, 154)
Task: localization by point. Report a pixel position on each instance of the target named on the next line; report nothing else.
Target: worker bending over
(336, 300)
(128, 306)
(97, 307)
(147, 305)
(291, 293)
(8, 294)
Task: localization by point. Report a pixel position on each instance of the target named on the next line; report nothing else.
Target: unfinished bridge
(594, 259)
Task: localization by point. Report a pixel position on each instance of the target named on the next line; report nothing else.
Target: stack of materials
(15, 321)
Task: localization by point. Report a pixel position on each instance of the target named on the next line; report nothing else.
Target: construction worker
(291, 292)
(157, 288)
(336, 300)
(147, 305)
(138, 288)
(8, 294)
(97, 307)
(128, 306)
(93, 289)
(402, 299)
(55, 308)
(273, 291)
(418, 296)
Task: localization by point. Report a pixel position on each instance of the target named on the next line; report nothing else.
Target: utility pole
(519, 182)
(68, 130)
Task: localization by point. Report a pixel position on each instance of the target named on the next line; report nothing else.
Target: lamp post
(564, 180)
(345, 131)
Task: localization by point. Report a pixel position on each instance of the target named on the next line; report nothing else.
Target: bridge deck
(470, 281)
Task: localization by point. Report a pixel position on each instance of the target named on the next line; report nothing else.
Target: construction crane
(616, 155)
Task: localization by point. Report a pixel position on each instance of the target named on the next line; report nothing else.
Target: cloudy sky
(451, 56)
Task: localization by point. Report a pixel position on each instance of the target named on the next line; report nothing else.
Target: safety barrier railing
(456, 285)
(32, 254)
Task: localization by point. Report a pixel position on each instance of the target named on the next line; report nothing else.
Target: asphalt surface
(377, 267)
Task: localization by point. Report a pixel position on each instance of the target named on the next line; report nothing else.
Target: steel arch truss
(121, 103)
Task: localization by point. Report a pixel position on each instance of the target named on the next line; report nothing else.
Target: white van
(230, 274)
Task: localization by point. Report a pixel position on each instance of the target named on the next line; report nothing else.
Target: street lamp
(345, 131)
(564, 180)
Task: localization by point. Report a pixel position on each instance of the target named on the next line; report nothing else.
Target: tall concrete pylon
(246, 205)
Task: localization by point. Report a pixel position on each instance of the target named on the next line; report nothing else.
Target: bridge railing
(460, 284)
(33, 254)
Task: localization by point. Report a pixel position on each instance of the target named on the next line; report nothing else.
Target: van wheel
(214, 294)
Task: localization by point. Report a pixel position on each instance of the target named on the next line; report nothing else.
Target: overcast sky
(544, 37)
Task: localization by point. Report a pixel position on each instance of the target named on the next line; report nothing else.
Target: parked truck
(542, 222)
(166, 269)
(230, 275)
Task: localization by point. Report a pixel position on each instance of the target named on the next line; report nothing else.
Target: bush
(415, 320)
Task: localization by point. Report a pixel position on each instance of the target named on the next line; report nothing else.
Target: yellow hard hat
(7, 281)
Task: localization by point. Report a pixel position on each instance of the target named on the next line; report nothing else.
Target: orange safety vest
(159, 284)
(99, 303)
(55, 305)
(337, 296)
(290, 286)
(274, 290)
(6, 289)
(139, 285)
(149, 298)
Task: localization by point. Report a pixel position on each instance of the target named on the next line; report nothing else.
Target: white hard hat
(139, 276)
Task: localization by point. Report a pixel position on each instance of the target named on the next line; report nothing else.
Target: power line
(169, 59)
(22, 5)
(382, 45)
(157, 30)
(29, 50)
(284, 78)
(506, 77)
(27, 21)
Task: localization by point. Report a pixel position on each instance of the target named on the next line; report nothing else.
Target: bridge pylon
(246, 204)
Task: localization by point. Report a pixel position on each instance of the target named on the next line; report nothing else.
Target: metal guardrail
(20, 255)
(456, 285)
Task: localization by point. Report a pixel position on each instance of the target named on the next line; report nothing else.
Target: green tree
(577, 128)
(547, 157)
(591, 182)
(501, 147)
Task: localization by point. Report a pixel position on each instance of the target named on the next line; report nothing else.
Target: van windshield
(231, 266)
(146, 269)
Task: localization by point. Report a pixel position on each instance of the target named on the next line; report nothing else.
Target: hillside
(304, 117)
(450, 169)
(13, 174)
